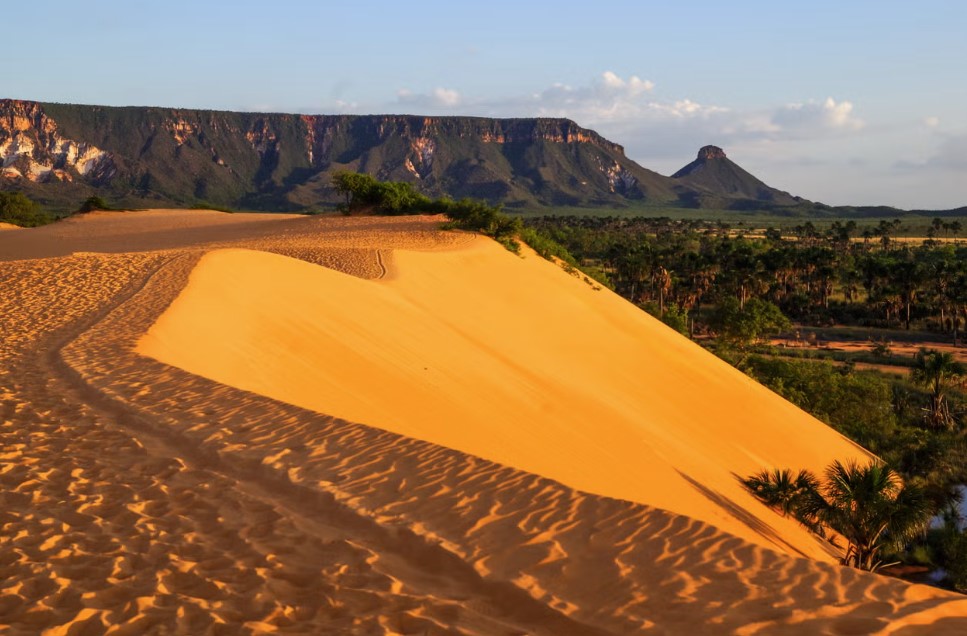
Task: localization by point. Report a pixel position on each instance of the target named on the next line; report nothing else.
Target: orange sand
(141, 498)
(508, 359)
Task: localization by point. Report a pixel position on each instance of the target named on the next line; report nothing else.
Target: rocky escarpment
(159, 156)
(32, 148)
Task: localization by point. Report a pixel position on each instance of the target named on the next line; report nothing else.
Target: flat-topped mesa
(149, 156)
(711, 152)
(487, 130)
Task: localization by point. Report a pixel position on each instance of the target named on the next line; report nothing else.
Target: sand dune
(507, 359)
(141, 498)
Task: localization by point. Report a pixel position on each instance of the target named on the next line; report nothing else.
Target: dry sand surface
(433, 436)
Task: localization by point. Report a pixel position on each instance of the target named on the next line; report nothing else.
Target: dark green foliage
(478, 216)
(937, 371)
(869, 506)
(743, 325)
(17, 209)
(859, 405)
(882, 414)
(818, 277)
(953, 554)
(673, 316)
(364, 193)
(545, 246)
(92, 204)
(711, 274)
(789, 493)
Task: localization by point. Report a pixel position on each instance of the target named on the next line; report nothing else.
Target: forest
(839, 276)
(770, 302)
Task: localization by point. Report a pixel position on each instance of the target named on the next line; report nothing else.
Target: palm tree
(871, 508)
(868, 506)
(937, 370)
(790, 494)
(661, 278)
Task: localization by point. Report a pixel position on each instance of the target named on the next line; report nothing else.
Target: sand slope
(504, 358)
(139, 498)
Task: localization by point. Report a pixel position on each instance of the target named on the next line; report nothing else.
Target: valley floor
(138, 498)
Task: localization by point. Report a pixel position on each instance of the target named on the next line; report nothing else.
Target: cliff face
(136, 156)
(32, 148)
(152, 156)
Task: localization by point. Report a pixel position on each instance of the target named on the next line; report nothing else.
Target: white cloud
(632, 86)
(608, 103)
(659, 132)
(628, 110)
(343, 107)
(446, 96)
(812, 116)
(438, 98)
(804, 147)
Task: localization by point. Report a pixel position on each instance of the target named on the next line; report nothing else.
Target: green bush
(364, 192)
(94, 203)
(17, 209)
(743, 325)
(954, 548)
(674, 317)
(859, 405)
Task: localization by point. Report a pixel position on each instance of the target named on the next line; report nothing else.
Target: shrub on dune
(868, 506)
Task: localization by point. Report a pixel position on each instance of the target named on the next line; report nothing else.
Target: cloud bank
(820, 148)
(613, 104)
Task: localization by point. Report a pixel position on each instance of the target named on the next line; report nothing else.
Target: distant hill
(727, 185)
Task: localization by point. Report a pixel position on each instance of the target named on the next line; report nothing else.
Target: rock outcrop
(138, 156)
(33, 148)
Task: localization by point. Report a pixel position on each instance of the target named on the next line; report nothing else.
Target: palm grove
(732, 291)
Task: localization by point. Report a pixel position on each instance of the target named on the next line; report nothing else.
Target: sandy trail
(139, 498)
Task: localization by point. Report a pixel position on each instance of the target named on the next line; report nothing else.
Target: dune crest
(508, 359)
(141, 498)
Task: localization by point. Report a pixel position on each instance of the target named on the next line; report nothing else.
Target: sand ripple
(137, 498)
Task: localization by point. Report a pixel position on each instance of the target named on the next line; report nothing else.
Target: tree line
(814, 278)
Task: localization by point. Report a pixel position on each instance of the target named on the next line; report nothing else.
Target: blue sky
(845, 103)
